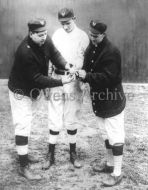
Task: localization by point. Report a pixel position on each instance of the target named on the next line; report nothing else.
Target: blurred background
(127, 22)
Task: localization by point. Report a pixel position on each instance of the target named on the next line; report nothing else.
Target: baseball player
(102, 70)
(71, 42)
(28, 76)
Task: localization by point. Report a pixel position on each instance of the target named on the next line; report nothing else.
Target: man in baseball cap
(67, 19)
(71, 41)
(29, 75)
(97, 31)
(38, 31)
(102, 70)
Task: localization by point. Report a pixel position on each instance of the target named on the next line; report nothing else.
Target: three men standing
(101, 69)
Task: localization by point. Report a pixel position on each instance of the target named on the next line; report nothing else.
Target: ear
(30, 33)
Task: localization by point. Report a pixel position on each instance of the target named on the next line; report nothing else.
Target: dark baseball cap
(37, 25)
(97, 27)
(65, 14)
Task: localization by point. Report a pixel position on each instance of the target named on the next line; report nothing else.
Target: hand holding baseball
(82, 74)
(67, 79)
(71, 68)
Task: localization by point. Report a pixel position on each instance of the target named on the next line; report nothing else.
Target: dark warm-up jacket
(30, 67)
(103, 67)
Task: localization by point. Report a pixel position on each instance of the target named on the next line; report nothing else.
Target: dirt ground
(89, 146)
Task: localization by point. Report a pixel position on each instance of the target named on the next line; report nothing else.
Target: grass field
(90, 148)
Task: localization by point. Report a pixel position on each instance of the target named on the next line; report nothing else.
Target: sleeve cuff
(87, 78)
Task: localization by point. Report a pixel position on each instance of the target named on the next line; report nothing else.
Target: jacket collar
(33, 45)
(102, 44)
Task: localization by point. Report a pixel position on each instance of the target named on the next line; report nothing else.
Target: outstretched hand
(71, 68)
(81, 74)
(68, 78)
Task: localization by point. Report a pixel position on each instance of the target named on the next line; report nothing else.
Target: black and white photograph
(74, 95)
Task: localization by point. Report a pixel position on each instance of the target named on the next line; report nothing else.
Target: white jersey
(71, 45)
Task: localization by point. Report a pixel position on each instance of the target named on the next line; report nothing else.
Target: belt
(61, 72)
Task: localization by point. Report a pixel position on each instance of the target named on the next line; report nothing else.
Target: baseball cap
(97, 27)
(65, 14)
(37, 25)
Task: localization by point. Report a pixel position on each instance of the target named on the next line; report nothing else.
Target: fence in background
(127, 22)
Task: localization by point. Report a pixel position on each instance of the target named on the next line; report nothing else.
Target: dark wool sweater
(30, 68)
(103, 67)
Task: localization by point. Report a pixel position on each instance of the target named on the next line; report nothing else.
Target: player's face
(96, 38)
(68, 26)
(39, 37)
